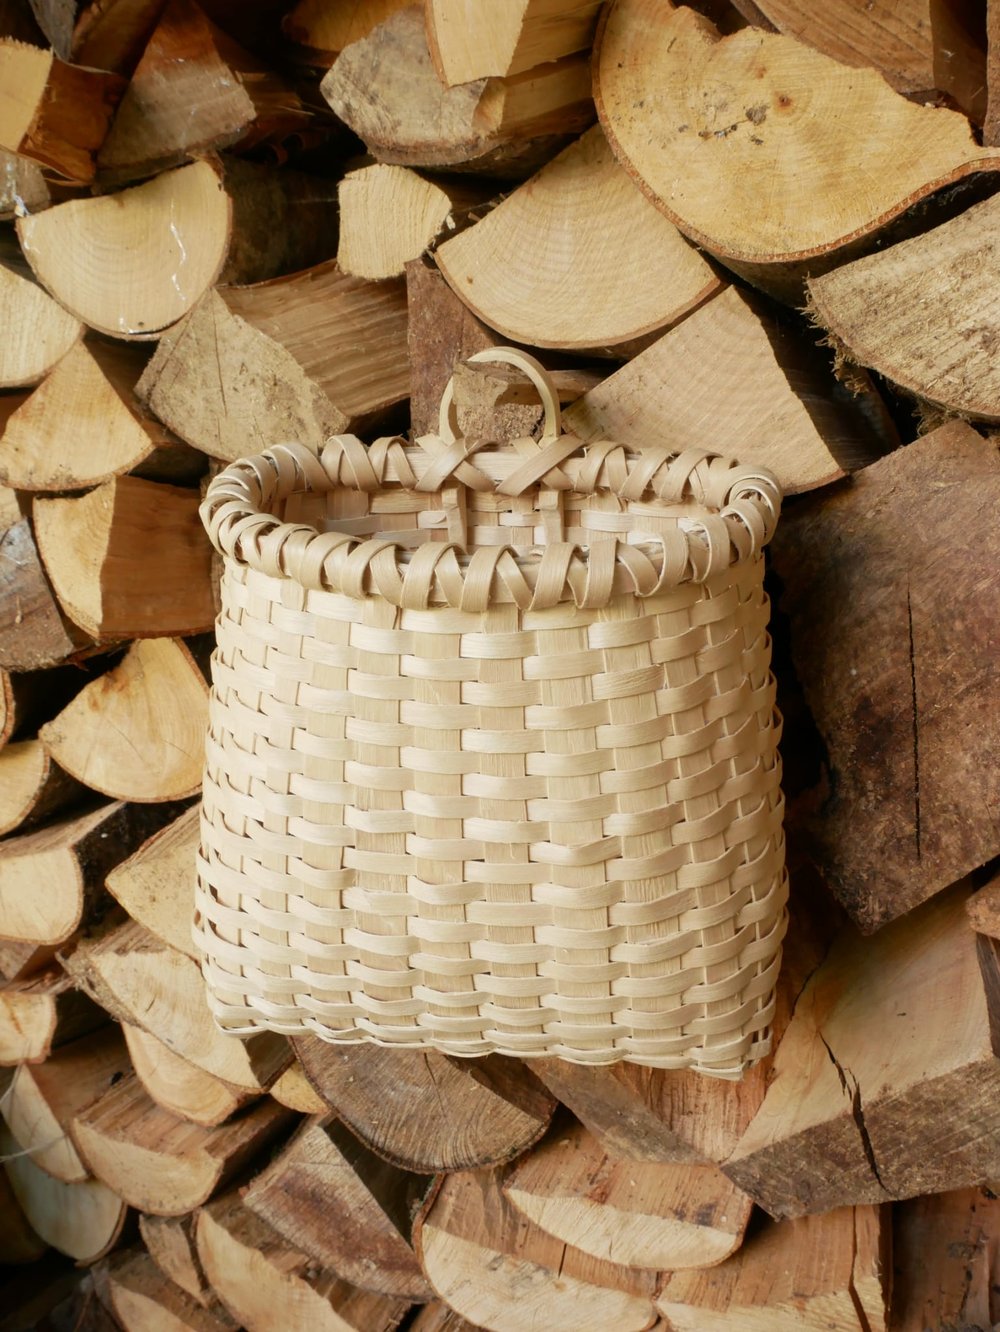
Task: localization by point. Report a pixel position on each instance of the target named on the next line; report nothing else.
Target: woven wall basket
(492, 755)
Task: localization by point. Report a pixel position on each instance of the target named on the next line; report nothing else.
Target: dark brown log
(983, 908)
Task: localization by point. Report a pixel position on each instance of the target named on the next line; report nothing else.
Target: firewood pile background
(768, 229)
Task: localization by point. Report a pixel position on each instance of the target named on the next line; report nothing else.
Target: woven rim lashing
(524, 799)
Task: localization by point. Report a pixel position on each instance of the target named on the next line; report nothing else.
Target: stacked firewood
(752, 228)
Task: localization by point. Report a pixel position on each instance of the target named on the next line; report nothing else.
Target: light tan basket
(492, 756)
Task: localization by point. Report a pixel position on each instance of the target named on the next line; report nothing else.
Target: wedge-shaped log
(41, 1013)
(266, 1283)
(25, 961)
(425, 1112)
(162, 1164)
(143, 981)
(52, 880)
(639, 1214)
(82, 1220)
(43, 1099)
(755, 145)
(482, 39)
(946, 1267)
(887, 1081)
(330, 1196)
(87, 403)
(112, 35)
(386, 89)
(577, 257)
(171, 1244)
(18, 1242)
(145, 1300)
(925, 313)
(156, 884)
(32, 787)
(300, 358)
(500, 1271)
(137, 732)
(295, 1090)
(194, 90)
(53, 113)
(320, 31)
(34, 633)
(891, 588)
(829, 1272)
(181, 1087)
(983, 909)
(129, 559)
(38, 332)
(437, 1317)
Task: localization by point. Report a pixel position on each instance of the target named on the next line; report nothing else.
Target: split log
(779, 408)
(34, 633)
(143, 981)
(165, 1165)
(501, 1272)
(156, 885)
(194, 90)
(991, 124)
(171, 1244)
(577, 258)
(883, 582)
(746, 141)
(333, 1199)
(54, 113)
(390, 215)
(320, 31)
(29, 699)
(43, 1099)
(886, 1084)
(32, 787)
(87, 404)
(129, 559)
(386, 89)
(265, 1283)
(133, 263)
(827, 1272)
(145, 1300)
(52, 880)
(481, 40)
(41, 1013)
(919, 46)
(294, 1090)
(53, 21)
(437, 1317)
(924, 313)
(639, 1214)
(426, 1112)
(24, 961)
(299, 358)
(82, 1220)
(983, 909)
(137, 732)
(113, 34)
(178, 1085)
(23, 187)
(18, 1242)
(946, 1269)
(37, 331)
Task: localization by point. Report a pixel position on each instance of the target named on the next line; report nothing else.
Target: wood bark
(425, 1112)
(386, 89)
(165, 1165)
(171, 1244)
(55, 114)
(145, 1300)
(143, 981)
(82, 1220)
(137, 732)
(112, 34)
(498, 1270)
(34, 633)
(639, 1214)
(41, 1013)
(332, 1198)
(52, 880)
(886, 1083)
(896, 666)
(828, 1272)
(991, 124)
(156, 884)
(252, 364)
(38, 332)
(266, 1283)
(43, 1099)
(577, 258)
(718, 129)
(87, 403)
(924, 313)
(946, 1269)
(179, 1086)
(194, 90)
(481, 40)
(983, 909)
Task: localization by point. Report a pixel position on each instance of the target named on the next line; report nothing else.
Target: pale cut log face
(24, 71)
(758, 147)
(37, 331)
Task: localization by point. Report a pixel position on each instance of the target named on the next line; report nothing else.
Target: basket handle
(529, 366)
